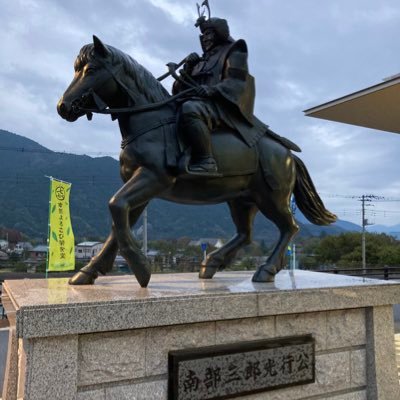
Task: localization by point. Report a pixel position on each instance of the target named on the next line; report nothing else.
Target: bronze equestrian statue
(245, 164)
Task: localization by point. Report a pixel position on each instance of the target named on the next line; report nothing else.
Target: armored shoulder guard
(240, 86)
(236, 65)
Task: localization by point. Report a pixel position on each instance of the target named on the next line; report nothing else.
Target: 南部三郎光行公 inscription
(220, 371)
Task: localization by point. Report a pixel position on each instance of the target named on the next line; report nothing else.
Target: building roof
(88, 244)
(375, 107)
(40, 248)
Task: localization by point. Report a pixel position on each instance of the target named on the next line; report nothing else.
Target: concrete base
(111, 340)
(396, 311)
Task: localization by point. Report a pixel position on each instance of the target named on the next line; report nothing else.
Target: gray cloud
(302, 53)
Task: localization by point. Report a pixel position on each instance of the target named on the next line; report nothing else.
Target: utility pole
(293, 208)
(294, 255)
(365, 199)
(144, 249)
(364, 223)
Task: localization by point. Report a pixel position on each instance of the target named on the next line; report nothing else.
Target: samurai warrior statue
(223, 94)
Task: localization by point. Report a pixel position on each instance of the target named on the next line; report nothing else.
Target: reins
(134, 109)
(157, 124)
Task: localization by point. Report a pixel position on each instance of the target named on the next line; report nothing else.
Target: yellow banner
(61, 238)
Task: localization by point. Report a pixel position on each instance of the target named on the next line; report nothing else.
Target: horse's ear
(99, 47)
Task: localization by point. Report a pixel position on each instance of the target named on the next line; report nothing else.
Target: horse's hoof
(207, 272)
(82, 278)
(263, 276)
(143, 278)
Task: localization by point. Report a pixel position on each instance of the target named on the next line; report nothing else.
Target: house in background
(87, 250)
(20, 247)
(25, 246)
(38, 253)
(3, 256)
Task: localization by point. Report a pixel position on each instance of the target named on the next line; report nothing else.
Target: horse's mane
(144, 81)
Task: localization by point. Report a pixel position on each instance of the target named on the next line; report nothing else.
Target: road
(3, 354)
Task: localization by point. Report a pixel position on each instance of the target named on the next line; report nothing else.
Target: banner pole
(56, 179)
(48, 229)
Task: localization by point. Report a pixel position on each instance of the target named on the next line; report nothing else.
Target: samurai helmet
(219, 25)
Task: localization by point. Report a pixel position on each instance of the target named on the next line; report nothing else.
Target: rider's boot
(202, 160)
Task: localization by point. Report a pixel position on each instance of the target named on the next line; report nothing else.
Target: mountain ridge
(24, 164)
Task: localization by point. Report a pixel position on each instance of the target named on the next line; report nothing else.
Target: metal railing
(2, 311)
(386, 273)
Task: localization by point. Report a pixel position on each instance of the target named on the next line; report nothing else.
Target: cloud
(179, 12)
(290, 96)
(373, 15)
(301, 53)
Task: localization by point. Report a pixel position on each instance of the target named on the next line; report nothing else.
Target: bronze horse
(262, 178)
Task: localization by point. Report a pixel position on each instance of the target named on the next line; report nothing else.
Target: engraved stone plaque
(226, 371)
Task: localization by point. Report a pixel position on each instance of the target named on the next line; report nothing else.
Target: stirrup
(207, 167)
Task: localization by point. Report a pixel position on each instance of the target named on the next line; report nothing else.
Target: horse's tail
(307, 198)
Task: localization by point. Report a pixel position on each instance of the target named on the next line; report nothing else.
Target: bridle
(102, 107)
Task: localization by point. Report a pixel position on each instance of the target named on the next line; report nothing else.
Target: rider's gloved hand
(192, 59)
(204, 91)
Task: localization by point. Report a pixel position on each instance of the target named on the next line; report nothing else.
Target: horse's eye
(90, 70)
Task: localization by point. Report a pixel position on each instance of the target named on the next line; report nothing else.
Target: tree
(345, 250)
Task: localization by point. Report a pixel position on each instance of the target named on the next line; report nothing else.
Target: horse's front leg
(132, 198)
(103, 262)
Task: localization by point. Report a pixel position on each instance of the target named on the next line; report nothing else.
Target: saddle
(233, 156)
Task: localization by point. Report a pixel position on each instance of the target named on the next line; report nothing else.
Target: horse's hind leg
(275, 206)
(243, 213)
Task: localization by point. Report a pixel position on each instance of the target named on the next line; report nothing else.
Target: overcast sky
(301, 52)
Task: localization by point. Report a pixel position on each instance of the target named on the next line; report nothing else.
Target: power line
(342, 196)
(56, 152)
(355, 196)
(388, 200)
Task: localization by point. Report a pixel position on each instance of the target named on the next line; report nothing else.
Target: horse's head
(93, 85)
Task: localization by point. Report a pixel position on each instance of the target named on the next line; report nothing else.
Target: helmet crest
(219, 25)
(201, 12)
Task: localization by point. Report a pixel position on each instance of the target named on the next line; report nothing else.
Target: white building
(213, 242)
(86, 250)
(25, 246)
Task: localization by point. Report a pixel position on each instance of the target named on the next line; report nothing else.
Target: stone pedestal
(111, 340)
